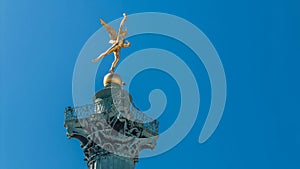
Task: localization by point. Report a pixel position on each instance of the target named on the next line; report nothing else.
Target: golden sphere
(112, 78)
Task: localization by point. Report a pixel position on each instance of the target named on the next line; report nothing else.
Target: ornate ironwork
(111, 126)
(88, 110)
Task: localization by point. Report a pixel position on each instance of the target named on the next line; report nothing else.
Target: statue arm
(122, 23)
(126, 45)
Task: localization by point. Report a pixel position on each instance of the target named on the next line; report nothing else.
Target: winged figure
(117, 41)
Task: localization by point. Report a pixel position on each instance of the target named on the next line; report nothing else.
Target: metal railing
(86, 111)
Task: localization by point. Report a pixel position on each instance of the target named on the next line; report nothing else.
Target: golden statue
(117, 39)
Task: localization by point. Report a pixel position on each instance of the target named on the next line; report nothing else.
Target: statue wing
(112, 32)
(123, 34)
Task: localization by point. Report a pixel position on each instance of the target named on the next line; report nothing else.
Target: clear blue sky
(258, 43)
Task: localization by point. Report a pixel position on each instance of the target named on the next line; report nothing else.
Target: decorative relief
(111, 125)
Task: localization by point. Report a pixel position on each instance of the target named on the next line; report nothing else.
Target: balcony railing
(86, 111)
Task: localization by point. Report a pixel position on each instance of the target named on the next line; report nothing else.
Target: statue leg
(114, 64)
(110, 50)
(100, 57)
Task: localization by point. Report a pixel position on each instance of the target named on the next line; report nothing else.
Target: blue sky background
(258, 43)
